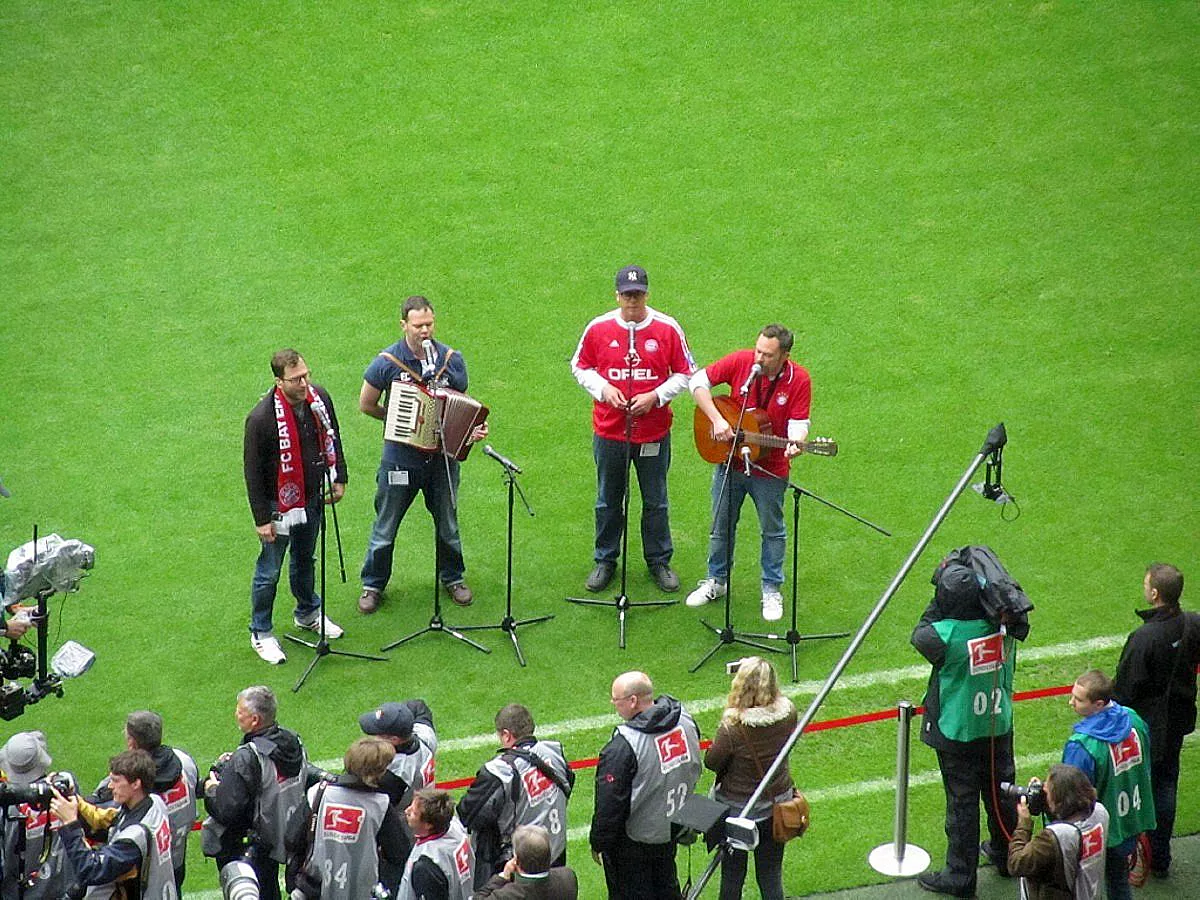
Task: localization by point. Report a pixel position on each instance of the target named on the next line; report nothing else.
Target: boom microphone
(746, 460)
(755, 371)
(503, 460)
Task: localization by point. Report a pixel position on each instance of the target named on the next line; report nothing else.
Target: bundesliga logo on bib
(342, 823)
(986, 653)
(672, 750)
(537, 785)
(1126, 754)
(462, 860)
(177, 796)
(1091, 842)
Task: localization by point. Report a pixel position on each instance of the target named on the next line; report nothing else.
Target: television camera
(36, 571)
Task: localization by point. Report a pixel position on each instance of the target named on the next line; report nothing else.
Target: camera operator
(135, 860)
(175, 780)
(354, 826)
(527, 782)
(1066, 860)
(31, 850)
(968, 722)
(251, 793)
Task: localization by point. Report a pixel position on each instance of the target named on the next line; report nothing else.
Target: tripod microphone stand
(794, 637)
(621, 602)
(436, 625)
(508, 624)
(321, 644)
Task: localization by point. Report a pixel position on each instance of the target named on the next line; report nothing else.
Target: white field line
(568, 727)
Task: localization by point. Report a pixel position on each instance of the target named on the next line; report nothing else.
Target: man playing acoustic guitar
(778, 392)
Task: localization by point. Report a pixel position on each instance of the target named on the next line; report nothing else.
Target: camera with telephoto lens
(38, 794)
(239, 881)
(1035, 795)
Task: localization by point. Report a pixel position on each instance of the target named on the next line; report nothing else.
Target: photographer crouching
(1066, 859)
(135, 860)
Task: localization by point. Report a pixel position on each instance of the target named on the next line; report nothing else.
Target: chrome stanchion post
(900, 857)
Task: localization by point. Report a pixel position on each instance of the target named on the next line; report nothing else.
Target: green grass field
(969, 212)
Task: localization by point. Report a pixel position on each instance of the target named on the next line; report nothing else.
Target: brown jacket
(1040, 863)
(746, 742)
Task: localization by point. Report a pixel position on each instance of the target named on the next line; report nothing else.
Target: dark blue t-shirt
(382, 372)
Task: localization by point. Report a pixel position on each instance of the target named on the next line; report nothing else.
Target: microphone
(755, 371)
(632, 355)
(429, 364)
(746, 459)
(503, 460)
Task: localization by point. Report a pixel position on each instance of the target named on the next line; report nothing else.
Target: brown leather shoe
(368, 601)
(460, 593)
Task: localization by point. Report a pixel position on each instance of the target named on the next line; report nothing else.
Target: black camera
(37, 794)
(1035, 795)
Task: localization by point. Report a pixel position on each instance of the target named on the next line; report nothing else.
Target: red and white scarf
(289, 481)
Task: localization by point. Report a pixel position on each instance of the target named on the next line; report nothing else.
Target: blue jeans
(610, 495)
(303, 542)
(767, 494)
(392, 502)
(1116, 870)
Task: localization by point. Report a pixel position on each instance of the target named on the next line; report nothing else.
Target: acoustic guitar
(755, 434)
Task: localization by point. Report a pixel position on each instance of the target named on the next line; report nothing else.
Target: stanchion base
(883, 860)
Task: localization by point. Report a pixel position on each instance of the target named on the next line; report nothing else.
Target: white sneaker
(708, 590)
(772, 606)
(332, 630)
(267, 647)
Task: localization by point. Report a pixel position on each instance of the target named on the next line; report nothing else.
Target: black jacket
(231, 802)
(1157, 672)
(260, 453)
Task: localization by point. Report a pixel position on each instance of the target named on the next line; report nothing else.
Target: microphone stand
(321, 644)
(727, 634)
(794, 637)
(508, 624)
(621, 603)
(741, 828)
(436, 625)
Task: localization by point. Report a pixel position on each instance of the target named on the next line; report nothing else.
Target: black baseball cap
(632, 278)
(394, 719)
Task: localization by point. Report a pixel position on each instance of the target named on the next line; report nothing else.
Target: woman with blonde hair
(756, 724)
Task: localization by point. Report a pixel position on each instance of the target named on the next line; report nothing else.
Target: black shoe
(935, 883)
(600, 577)
(666, 579)
(1000, 862)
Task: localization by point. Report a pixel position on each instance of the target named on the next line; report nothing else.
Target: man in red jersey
(782, 390)
(633, 361)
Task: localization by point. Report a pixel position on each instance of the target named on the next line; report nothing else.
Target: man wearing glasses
(292, 457)
(644, 774)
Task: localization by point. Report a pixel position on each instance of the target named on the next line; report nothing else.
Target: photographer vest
(531, 796)
(1081, 845)
(180, 801)
(152, 836)
(450, 852)
(1122, 780)
(668, 767)
(277, 799)
(975, 680)
(344, 854)
(415, 769)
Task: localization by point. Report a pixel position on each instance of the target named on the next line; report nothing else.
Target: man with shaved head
(646, 770)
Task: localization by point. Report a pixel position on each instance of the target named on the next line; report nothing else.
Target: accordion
(432, 420)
